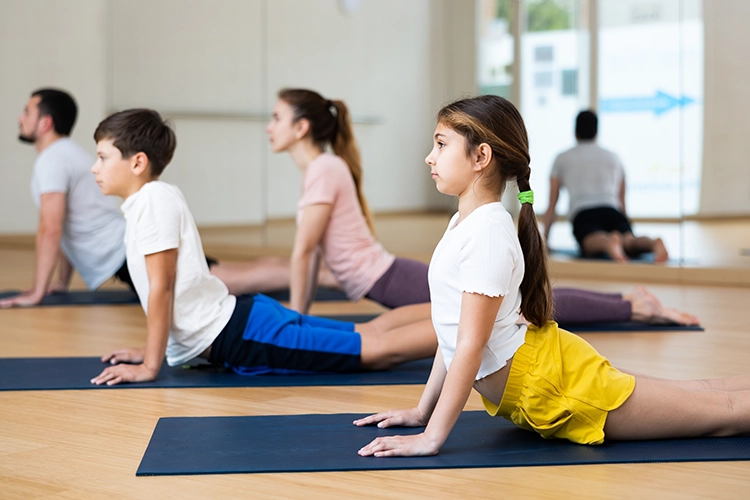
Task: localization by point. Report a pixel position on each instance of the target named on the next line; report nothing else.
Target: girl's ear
(301, 128)
(482, 156)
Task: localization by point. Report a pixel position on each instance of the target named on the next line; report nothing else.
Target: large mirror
(663, 75)
(643, 67)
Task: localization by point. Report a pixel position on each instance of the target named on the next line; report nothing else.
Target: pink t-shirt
(350, 251)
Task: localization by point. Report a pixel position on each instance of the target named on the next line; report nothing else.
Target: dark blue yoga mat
(83, 298)
(317, 443)
(629, 326)
(28, 374)
(321, 295)
(616, 326)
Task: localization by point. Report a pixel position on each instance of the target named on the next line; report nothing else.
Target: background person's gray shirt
(94, 229)
(591, 174)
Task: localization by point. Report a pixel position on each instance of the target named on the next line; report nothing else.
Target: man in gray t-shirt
(79, 228)
(595, 180)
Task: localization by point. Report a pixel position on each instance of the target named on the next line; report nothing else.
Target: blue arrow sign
(660, 103)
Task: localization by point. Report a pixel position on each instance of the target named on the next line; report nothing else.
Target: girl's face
(281, 130)
(452, 170)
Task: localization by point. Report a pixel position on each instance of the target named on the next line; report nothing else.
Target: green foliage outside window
(542, 15)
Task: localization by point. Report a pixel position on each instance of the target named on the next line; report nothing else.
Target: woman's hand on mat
(417, 445)
(124, 355)
(57, 288)
(124, 373)
(403, 418)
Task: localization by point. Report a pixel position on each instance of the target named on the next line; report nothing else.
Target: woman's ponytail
(345, 146)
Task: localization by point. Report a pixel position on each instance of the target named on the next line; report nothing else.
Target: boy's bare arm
(161, 268)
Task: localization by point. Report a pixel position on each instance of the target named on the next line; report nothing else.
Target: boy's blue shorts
(274, 339)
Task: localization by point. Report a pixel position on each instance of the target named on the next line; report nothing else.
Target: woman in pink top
(333, 218)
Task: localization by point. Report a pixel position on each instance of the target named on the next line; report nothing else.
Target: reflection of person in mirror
(595, 180)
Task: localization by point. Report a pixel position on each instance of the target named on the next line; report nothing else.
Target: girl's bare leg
(660, 409)
(725, 384)
(263, 274)
(382, 350)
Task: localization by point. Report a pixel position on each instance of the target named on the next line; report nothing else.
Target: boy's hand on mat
(400, 446)
(26, 299)
(125, 355)
(404, 418)
(124, 373)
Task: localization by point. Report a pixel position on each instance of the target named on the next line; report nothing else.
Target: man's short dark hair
(140, 131)
(59, 105)
(586, 125)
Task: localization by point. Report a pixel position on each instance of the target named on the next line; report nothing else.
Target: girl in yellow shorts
(491, 309)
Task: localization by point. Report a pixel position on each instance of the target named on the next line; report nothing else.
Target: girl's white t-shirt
(481, 255)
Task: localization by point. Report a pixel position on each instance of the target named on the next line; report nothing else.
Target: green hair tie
(526, 197)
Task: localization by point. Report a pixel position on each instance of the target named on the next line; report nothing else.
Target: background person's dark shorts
(599, 219)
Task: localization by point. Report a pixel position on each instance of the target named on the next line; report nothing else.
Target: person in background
(595, 180)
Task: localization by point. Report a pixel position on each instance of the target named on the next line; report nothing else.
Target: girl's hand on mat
(400, 446)
(125, 355)
(404, 418)
(124, 373)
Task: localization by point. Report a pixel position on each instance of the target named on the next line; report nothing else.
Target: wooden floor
(88, 444)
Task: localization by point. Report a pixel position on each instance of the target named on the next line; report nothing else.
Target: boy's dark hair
(586, 125)
(59, 105)
(140, 130)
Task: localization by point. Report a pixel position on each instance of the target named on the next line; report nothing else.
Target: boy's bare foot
(660, 251)
(615, 250)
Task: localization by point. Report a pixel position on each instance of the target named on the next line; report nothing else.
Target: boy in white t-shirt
(190, 312)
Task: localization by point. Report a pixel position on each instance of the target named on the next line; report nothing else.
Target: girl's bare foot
(660, 251)
(615, 250)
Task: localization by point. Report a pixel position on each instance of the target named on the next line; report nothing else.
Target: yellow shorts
(560, 387)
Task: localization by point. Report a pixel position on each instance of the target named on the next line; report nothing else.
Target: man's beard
(29, 139)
